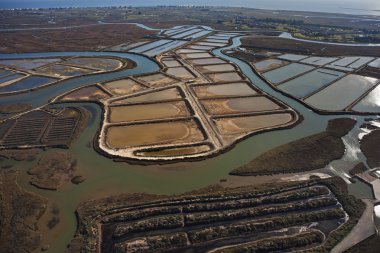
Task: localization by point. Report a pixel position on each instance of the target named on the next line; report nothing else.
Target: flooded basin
(238, 125)
(156, 80)
(269, 64)
(239, 105)
(12, 62)
(164, 48)
(284, 73)
(224, 41)
(29, 64)
(154, 133)
(123, 86)
(26, 83)
(345, 61)
(171, 62)
(224, 90)
(352, 62)
(375, 63)
(305, 85)
(148, 111)
(185, 51)
(225, 77)
(345, 69)
(201, 47)
(214, 44)
(177, 30)
(187, 33)
(104, 64)
(172, 93)
(219, 37)
(207, 61)
(342, 93)
(149, 45)
(5, 80)
(198, 34)
(377, 214)
(319, 61)
(292, 57)
(198, 55)
(180, 72)
(63, 70)
(178, 151)
(84, 94)
(370, 103)
(360, 62)
(216, 68)
(4, 72)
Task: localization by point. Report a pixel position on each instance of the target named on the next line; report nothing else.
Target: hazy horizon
(365, 7)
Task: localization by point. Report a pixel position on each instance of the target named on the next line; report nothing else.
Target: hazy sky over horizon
(308, 5)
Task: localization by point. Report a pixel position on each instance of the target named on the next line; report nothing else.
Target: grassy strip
(309, 153)
(370, 148)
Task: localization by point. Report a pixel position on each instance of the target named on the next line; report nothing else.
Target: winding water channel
(105, 176)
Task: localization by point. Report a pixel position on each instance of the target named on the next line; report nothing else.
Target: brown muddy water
(155, 80)
(154, 133)
(148, 111)
(123, 86)
(171, 63)
(236, 125)
(222, 90)
(217, 68)
(180, 72)
(207, 61)
(225, 77)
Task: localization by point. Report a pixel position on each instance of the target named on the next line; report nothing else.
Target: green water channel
(104, 176)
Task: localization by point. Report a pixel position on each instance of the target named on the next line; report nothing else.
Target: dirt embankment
(299, 47)
(370, 147)
(19, 214)
(309, 153)
(94, 37)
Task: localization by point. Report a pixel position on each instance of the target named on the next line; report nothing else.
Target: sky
(341, 6)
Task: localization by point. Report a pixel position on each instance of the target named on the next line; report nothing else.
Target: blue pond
(27, 83)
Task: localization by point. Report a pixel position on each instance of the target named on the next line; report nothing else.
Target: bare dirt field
(299, 47)
(94, 37)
